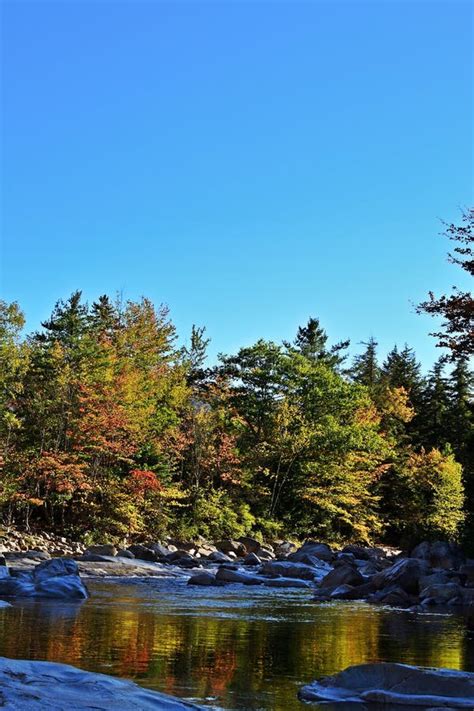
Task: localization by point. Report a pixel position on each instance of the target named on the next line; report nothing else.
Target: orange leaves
(141, 482)
(59, 473)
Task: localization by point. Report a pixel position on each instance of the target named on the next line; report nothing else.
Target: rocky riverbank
(435, 573)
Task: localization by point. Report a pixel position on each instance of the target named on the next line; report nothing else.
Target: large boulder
(405, 573)
(284, 548)
(252, 559)
(439, 554)
(289, 569)
(219, 557)
(104, 549)
(203, 578)
(46, 686)
(251, 544)
(230, 546)
(228, 575)
(143, 553)
(467, 573)
(56, 578)
(442, 593)
(342, 575)
(313, 548)
(397, 684)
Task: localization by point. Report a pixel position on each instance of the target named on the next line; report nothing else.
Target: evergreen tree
(365, 369)
(433, 428)
(311, 342)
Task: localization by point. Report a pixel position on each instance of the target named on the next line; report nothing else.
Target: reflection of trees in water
(226, 656)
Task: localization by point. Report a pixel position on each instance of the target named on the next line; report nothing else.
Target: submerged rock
(44, 686)
(395, 684)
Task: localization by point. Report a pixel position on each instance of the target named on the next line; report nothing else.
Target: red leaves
(142, 482)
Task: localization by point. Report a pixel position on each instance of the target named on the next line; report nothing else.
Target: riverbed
(232, 647)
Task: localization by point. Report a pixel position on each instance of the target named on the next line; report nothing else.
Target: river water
(231, 648)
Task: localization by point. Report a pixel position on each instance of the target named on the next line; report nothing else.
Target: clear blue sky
(248, 163)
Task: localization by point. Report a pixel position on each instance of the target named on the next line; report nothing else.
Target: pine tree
(365, 369)
(311, 342)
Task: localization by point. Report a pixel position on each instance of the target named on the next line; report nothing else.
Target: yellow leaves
(394, 402)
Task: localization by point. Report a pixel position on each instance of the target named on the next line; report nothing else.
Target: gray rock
(393, 595)
(203, 578)
(219, 557)
(283, 549)
(124, 553)
(289, 569)
(340, 592)
(439, 554)
(57, 578)
(45, 686)
(401, 684)
(143, 553)
(230, 546)
(104, 549)
(318, 550)
(405, 573)
(286, 583)
(467, 572)
(441, 593)
(343, 575)
(251, 544)
(226, 575)
(252, 559)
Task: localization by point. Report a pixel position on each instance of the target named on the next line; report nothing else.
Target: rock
(32, 555)
(228, 575)
(364, 552)
(219, 557)
(401, 684)
(340, 592)
(439, 554)
(467, 573)
(104, 549)
(359, 592)
(405, 573)
(143, 553)
(318, 550)
(57, 578)
(230, 546)
(286, 583)
(343, 575)
(442, 593)
(252, 559)
(124, 553)
(437, 578)
(393, 595)
(289, 570)
(265, 554)
(204, 578)
(251, 544)
(46, 686)
(283, 549)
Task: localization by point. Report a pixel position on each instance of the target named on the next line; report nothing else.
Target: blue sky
(248, 163)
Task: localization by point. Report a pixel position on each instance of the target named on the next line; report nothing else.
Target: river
(231, 648)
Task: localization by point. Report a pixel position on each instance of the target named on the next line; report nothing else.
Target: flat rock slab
(45, 686)
(111, 566)
(395, 685)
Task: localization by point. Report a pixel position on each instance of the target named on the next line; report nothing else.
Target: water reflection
(231, 648)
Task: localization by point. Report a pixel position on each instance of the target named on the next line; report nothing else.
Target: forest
(112, 430)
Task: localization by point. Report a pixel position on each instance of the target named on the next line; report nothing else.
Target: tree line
(110, 429)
